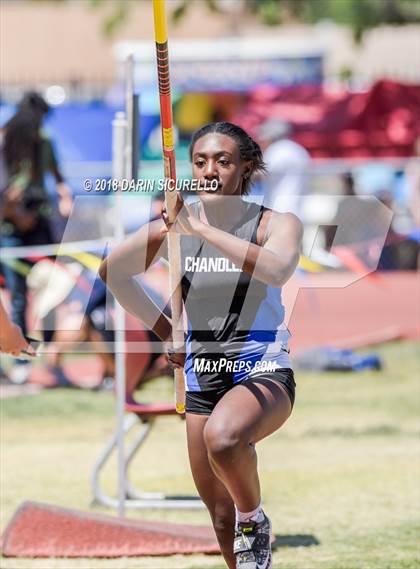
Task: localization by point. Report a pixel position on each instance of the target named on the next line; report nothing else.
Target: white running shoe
(252, 545)
(19, 374)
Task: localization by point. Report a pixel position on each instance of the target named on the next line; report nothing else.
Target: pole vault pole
(161, 39)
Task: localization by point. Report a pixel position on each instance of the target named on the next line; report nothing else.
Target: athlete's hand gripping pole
(161, 39)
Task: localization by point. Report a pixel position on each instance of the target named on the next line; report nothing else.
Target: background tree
(359, 15)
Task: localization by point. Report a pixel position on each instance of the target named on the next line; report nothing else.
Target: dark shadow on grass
(298, 540)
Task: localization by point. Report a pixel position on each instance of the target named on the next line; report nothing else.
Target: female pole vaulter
(240, 388)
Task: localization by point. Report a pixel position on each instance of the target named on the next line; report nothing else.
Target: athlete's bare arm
(134, 257)
(272, 262)
(281, 234)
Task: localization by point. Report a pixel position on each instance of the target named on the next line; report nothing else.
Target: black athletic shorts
(203, 402)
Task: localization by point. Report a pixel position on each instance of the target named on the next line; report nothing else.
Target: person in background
(78, 298)
(27, 155)
(363, 225)
(287, 165)
(33, 102)
(400, 252)
(348, 190)
(359, 224)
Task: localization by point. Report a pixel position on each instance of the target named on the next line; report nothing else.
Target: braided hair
(249, 150)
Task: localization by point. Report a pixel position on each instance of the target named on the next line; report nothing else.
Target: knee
(223, 525)
(222, 442)
(223, 520)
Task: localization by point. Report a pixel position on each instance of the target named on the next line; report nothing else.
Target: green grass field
(343, 471)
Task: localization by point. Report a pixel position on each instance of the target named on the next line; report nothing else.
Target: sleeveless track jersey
(235, 322)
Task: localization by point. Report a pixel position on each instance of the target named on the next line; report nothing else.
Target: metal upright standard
(129, 416)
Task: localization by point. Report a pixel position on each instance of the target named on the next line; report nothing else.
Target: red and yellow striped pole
(161, 39)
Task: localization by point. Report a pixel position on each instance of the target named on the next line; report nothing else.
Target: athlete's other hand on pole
(176, 358)
(185, 223)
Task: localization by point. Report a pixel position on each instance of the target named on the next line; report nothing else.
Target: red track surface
(369, 311)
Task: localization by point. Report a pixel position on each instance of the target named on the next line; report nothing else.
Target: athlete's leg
(245, 415)
(211, 490)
